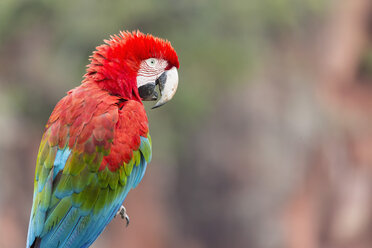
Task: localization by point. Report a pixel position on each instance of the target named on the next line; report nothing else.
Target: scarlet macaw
(96, 143)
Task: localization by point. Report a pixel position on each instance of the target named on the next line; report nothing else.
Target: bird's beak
(168, 82)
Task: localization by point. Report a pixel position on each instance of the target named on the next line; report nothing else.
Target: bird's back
(94, 150)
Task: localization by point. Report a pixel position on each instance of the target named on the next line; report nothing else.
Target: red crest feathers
(114, 65)
(143, 46)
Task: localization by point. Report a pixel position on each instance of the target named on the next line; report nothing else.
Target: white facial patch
(150, 69)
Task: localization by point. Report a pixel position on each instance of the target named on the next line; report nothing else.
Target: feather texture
(92, 153)
(96, 145)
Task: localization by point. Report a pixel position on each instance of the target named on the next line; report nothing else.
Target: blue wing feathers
(61, 231)
(37, 221)
(60, 160)
(97, 223)
(79, 228)
(140, 172)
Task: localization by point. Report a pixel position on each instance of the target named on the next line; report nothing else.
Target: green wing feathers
(77, 190)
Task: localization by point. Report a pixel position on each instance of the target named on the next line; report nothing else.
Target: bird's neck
(111, 74)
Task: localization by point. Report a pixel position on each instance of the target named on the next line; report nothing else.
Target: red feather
(103, 124)
(106, 112)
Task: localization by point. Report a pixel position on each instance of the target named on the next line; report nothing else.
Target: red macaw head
(131, 65)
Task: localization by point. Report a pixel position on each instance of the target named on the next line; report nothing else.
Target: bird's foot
(123, 213)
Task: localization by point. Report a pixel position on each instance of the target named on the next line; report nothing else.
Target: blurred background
(267, 143)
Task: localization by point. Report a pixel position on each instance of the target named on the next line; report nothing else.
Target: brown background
(267, 144)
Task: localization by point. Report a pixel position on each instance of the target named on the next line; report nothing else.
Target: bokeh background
(267, 143)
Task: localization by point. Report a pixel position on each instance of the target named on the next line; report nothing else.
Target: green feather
(101, 149)
(145, 148)
(77, 199)
(43, 154)
(79, 182)
(129, 167)
(113, 180)
(137, 157)
(112, 194)
(49, 161)
(96, 163)
(45, 194)
(90, 194)
(57, 214)
(64, 186)
(44, 172)
(43, 151)
(75, 164)
(54, 201)
(103, 178)
(88, 158)
(122, 176)
(101, 200)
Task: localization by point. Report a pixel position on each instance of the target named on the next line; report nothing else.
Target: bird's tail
(36, 243)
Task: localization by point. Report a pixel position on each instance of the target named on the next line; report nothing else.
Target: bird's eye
(151, 62)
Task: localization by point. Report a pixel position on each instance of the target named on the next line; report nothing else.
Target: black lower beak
(147, 92)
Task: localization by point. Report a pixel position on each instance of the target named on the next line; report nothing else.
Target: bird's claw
(123, 213)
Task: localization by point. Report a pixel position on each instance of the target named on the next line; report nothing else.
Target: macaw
(96, 144)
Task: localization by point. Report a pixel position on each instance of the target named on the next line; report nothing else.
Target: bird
(96, 144)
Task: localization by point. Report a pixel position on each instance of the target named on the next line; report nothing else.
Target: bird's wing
(86, 165)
